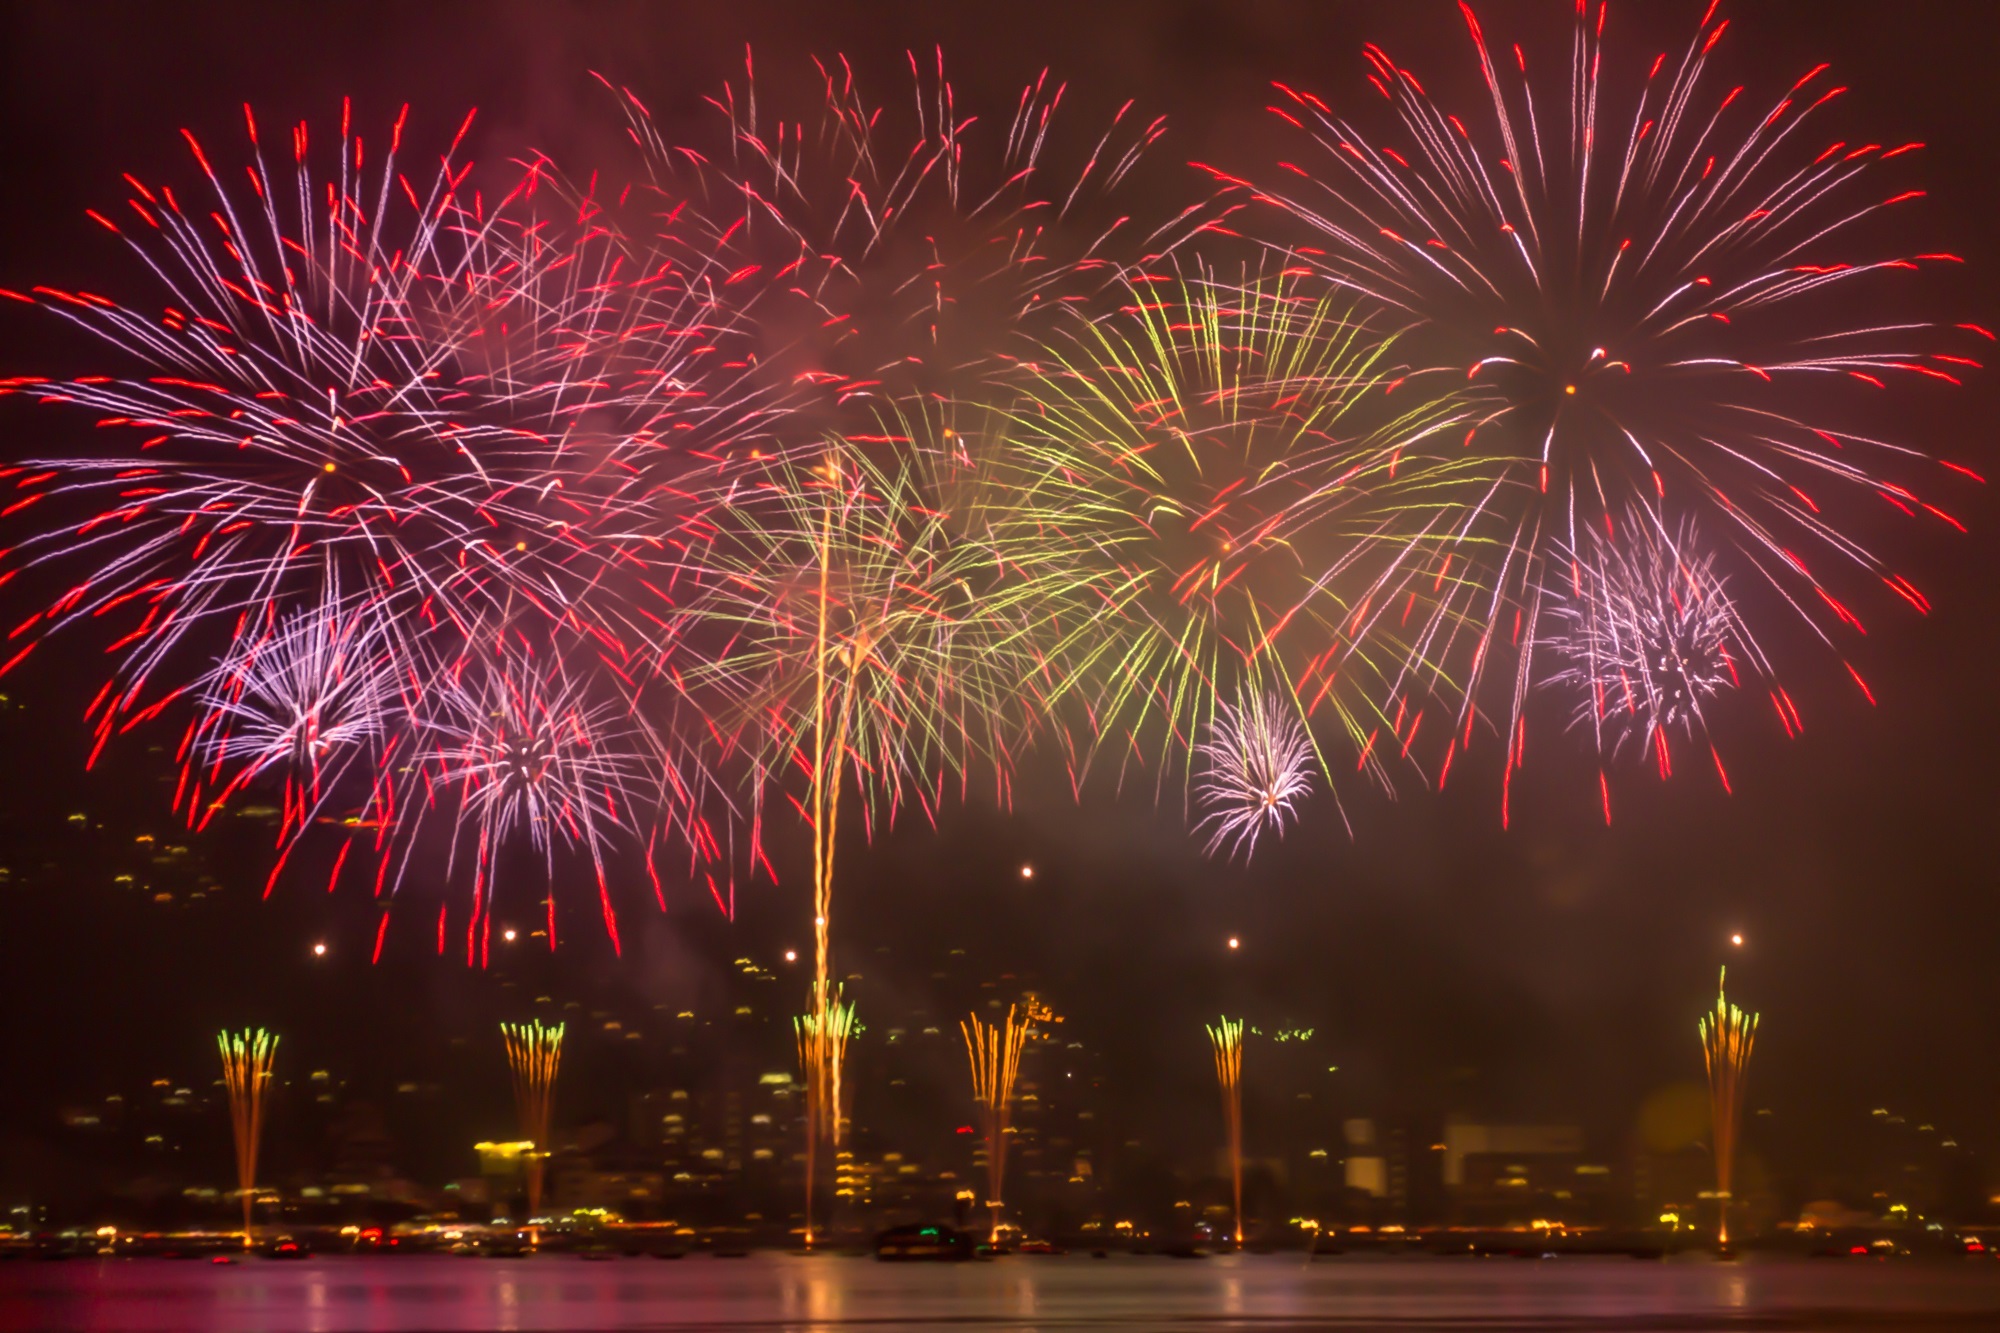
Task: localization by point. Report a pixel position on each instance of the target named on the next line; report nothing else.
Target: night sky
(1550, 971)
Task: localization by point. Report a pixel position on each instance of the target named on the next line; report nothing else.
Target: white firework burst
(308, 694)
(1254, 765)
(1648, 636)
(531, 751)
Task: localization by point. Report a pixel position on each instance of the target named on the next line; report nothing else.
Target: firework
(311, 697)
(533, 1053)
(297, 399)
(850, 629)
(246, 1070)
(1212, 490)
(1726, 1038)
(530, 754)
(1648, 636)
(994, 1052)
(437, 394)
(384, 420)
(1653, 287)
(822, 1037)
(910, 248)
(1253, 764)
(1226, 1036)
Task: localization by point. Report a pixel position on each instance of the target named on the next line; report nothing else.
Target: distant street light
(791, 955)
(1235, 943)
(319, 949)
(1027, 872)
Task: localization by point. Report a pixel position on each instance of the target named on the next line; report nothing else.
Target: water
(774, 1293)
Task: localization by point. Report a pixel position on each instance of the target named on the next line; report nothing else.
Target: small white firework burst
(534, 754)
(1254, 765)
(308, 695)
(1648, 635)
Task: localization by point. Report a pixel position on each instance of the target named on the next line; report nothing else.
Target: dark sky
(1560, 962)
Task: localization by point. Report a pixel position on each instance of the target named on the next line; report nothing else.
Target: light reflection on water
(829, 1294)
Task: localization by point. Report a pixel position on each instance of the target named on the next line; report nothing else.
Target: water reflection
(827, 1294)
(316, 1306)
(823, 1293)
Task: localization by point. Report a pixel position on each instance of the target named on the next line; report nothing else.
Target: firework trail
(1252, 766)
(1727, 1035)
(246, 1070)
(1647, 637)
(914, 247)
(534, 1053)
(822, 1037)
(1654, 285)
(1226, 1036)
(1212, 489)
(993, 1051)
(852, 632)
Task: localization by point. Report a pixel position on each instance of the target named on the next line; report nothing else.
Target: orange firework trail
(994, 1052)
(246, 1069)
(845, 609)
(1226, 1035)
(1726, 1037)
(533, 1053)
(859, 640)
(822, 1037)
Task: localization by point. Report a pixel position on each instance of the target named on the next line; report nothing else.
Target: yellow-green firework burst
(1232, 492)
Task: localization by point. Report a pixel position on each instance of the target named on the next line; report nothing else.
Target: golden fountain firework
(246, 1069)
(1726, 1039)
(533, 1053)
(1227, 1037)
(822, 1036)
(994, 1051)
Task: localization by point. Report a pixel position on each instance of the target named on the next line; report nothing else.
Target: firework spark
(1253, 765)
(311, 696)
(531, 753)
(413, 410)
(301, 411)
(912, 248)
(246, 1071)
